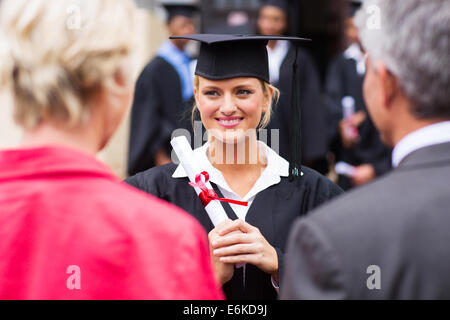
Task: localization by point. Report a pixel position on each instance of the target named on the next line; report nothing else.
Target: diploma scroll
(345, 169)
(348, 106)
(189, 163)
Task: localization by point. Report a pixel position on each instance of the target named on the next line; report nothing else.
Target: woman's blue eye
(211, 93)
(244, 92)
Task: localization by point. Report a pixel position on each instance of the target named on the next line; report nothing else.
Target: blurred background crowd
(336, 127)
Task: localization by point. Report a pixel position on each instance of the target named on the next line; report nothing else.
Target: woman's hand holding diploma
(223, 271)
(237, 242)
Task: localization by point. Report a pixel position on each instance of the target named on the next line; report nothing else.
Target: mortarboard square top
(355, 5)
(281, 4)
(185, 10)
(225, 56)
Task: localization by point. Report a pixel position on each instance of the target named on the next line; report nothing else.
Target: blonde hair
(59, 53)
(267, 88)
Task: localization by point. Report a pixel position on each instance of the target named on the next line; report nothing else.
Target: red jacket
(70, 230)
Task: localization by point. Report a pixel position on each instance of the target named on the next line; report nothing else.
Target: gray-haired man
(390, 239)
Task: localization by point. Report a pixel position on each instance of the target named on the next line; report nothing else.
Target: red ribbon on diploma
(208, 194)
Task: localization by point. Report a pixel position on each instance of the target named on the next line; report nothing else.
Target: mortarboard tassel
(295, 134)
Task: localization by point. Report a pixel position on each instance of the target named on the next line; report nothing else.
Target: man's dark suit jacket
(400, 223)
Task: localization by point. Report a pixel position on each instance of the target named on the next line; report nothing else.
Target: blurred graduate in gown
(163, 95)
(273, 20)
(353, 136)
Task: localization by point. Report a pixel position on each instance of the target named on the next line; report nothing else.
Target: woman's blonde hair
(267, 88)
(59, 53)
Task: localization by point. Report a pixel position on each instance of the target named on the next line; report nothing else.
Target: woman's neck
(243, 166)
(272, 44)
(235, 157)
(49, 135)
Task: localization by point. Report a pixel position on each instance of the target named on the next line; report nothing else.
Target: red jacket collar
(50, 161)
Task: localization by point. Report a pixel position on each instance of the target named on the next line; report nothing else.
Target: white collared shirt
(276, 58)
(354, 52)
(276, 168)
(430, 135)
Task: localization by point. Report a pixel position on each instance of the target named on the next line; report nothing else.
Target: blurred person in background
(273, 20)
(389, 239)
(353, 136)
(69, 229)
(164, 95)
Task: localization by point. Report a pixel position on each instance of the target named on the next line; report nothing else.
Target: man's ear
(119, 79)
(389, 83)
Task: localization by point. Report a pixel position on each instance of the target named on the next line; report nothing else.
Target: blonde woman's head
(235, 106)
(59, 56)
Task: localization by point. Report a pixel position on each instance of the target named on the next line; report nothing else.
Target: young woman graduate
(234, 98)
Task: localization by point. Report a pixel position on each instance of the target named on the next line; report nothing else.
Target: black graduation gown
(273, 211)
(158, 109)
(344, 80)
(313, 114)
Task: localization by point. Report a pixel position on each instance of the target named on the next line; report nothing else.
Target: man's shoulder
(361, 201)
(341, 62)
(156, 65)
(402, 190)
(303, 56)
(390, 206)
(395, 219)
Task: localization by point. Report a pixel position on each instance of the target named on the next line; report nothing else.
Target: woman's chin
(228, 136)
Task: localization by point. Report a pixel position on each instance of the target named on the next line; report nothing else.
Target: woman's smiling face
(230, 109)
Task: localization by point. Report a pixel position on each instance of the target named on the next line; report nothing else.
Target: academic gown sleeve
(149, 132)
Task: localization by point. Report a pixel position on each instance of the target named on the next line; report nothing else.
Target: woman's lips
(229, 122)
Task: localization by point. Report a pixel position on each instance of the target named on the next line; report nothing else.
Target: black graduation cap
(282, 4)
(355, 5)
(224, 56)
(185, 10)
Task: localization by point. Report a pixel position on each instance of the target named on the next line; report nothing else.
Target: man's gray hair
(412, 38)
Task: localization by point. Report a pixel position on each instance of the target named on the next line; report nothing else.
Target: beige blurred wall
(153, 34)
